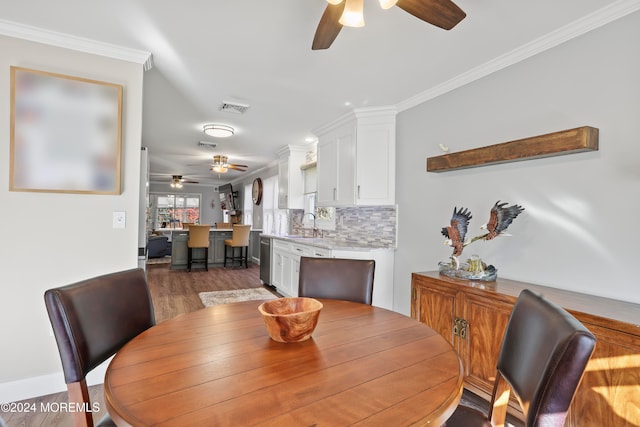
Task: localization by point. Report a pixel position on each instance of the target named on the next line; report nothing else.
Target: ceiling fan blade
(441, 13)
(241, 168)
(329, 27)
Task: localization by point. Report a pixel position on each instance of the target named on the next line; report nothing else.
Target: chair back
(223, 225)
(185, 225)
(544, 353)
(92, 320)
(240, 235)
(337, 278)
(198, 236)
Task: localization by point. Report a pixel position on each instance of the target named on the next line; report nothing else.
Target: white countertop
(325, 243)
(211, 229)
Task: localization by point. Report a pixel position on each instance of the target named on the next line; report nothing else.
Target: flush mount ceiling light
(218, 131)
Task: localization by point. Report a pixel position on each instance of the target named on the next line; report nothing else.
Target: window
(247, 205)
(308, 219)
(171, 210)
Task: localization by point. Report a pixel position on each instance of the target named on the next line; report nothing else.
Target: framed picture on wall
(66, 134)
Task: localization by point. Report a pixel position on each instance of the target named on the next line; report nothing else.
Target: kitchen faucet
(315, 230)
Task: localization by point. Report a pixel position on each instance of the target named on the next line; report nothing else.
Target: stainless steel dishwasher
(265, 260)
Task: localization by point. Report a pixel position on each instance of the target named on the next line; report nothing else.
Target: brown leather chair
(239, 239)
(198, 238)
(544, 353)
(337, 278)
(91, 321)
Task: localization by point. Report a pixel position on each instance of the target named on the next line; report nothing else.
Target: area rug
(236, 295)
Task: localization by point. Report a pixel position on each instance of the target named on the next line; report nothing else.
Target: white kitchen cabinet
(286, 264)
(356, 159)
(382, 277)
(290, 179)
(285, 267)
(336, 167)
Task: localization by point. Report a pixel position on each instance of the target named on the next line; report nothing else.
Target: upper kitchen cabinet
(356, 159)
(290, 179)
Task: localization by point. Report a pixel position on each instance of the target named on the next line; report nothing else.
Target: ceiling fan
(221, 165)
(441, 13)
(176, 181)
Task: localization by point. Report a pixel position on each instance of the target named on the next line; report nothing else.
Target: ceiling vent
(233, 107)
(207, 145)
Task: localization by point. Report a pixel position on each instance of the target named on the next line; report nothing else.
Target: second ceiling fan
(221, 165)
(441, 13)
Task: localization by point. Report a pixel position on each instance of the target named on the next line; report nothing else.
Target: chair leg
(225, 255)
(189, 258)
(79, 395)
(206, 259)
(499, 400)
(246, 256)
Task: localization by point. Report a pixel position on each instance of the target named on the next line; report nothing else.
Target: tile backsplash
(371, 225)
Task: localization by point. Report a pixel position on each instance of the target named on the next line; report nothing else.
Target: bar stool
(239, 239)
(198, 238)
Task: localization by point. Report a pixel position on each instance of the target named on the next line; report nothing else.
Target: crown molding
(53, 38)
(388, 112)
(603, 16)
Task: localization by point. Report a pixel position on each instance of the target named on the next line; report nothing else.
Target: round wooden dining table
(217, 366)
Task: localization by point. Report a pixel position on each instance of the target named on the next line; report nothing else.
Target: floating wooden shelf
(552, 144)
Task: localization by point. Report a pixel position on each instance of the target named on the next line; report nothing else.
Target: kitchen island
(217, 236)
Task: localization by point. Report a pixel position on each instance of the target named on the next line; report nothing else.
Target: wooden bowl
(290, 319)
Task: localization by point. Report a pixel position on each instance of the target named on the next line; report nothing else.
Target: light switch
(119, 219)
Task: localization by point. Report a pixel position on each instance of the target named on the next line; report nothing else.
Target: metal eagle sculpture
(500, 217)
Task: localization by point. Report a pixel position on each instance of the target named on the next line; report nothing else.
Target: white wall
(580, 227)
(50, 240)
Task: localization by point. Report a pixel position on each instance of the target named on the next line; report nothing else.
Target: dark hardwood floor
(173, 292)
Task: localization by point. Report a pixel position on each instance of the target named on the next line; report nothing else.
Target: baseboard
(43, 385)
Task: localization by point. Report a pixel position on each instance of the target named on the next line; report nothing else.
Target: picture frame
(66, 134)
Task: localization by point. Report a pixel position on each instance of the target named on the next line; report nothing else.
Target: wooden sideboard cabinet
(473, 317)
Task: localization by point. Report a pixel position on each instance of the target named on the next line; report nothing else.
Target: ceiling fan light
(334, 2)
(353, 14)
(387, 4)
(176, 181)
(218, 131)
(219, 169)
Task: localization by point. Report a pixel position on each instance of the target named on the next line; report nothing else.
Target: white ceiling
(258, 52)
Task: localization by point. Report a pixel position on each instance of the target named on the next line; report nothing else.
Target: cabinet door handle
(334, 193)
(464, 329)
(358, 191)
(460, 328)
